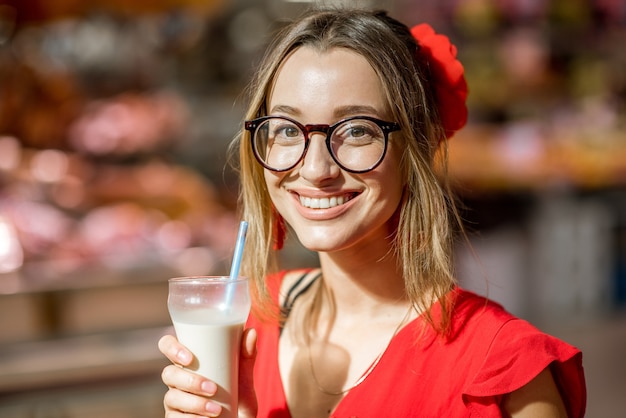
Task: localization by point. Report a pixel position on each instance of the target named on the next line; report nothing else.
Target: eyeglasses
(357, 144)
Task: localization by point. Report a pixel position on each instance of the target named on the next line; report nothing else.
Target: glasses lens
(358, 144)
(279, 143)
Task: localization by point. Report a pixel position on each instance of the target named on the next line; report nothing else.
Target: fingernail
(183, 356)
(213, 409)
(209, 387)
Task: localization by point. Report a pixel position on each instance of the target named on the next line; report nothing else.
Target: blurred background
(115, 117)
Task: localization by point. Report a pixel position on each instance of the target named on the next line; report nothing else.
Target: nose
(318, 165)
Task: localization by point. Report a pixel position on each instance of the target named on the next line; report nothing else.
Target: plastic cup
(209, 313)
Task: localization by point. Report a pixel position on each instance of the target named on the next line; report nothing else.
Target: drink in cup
(208, 314)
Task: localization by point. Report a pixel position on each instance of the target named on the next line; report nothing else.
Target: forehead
(316, 82)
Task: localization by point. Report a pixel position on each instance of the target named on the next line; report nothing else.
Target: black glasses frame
(386, 127)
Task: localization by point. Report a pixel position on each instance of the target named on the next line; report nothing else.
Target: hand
(189, 394)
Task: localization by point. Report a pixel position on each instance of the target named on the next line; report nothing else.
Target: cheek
(272, 179)
(273, 182)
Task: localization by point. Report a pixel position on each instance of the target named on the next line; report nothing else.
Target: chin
(319, 242)
(317, 246)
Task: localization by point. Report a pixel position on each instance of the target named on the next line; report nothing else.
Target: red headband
(447, 76)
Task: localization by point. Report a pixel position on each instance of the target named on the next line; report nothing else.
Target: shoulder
(285, 282)
(294, 284)
(278, 285)
(473, 316)
(503, 334)
(512, 353)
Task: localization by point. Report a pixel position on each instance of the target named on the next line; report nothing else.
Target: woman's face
(331, 209)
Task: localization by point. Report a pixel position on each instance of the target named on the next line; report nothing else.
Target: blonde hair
(424, 237)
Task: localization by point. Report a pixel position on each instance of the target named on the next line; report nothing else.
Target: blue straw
(234, 268)
(241, 239)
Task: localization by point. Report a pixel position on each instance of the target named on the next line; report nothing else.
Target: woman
(347, 113)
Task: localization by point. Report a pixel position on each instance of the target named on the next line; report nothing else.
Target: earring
(279, 230)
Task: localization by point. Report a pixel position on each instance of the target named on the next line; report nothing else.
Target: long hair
(423, 242)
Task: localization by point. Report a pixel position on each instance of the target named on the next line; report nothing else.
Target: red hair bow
(447, 75)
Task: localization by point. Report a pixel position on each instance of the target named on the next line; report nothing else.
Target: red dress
(487, 354)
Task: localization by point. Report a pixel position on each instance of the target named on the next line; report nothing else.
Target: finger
(177, 414)
(179, 401)
(246, 361)
(249, 339)
(175, 351)
(247, 396)
(179, 378)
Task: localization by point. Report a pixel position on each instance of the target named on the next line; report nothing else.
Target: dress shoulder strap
(298, 288)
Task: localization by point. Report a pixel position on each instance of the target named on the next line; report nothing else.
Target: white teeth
(322, 203)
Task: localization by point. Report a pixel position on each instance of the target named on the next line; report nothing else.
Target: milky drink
(216, 349)
(209, 321)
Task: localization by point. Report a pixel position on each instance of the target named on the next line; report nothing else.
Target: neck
(364, 282)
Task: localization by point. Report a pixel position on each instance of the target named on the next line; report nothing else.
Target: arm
(539, 398)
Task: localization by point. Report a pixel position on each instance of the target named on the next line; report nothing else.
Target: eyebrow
(285, 109)
(345, 111)
(339, 113)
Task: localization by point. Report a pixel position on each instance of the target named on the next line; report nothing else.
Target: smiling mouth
(325, 202)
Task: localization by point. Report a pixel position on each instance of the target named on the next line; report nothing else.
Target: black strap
(296, 290)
